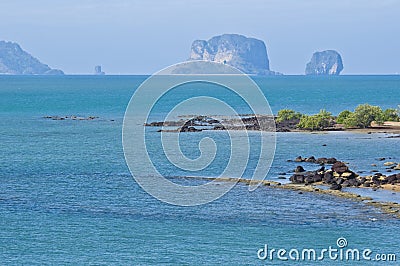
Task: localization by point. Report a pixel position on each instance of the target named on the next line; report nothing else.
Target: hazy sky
(140, 37)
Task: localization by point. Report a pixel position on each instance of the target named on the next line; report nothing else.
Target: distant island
(15, 61)
(328, 62)
(250, 56)
(246, 54)
(98, 71)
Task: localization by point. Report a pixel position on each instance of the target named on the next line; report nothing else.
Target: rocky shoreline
(256, 123)
(390, 208)
(331, 178)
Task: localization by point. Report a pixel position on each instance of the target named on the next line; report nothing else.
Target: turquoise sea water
(67, 197)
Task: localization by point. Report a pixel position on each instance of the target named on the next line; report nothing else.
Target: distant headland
(15, 61)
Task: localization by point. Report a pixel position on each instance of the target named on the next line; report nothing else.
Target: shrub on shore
(364, 115)
(343, 116)
(319, 121)
(391, 115)
(288, 115)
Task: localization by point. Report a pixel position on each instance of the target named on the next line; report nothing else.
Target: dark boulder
(299, 169)
(339, 181)
(309, 180)
(310, 159)
(346, 184)
(297, 179)
(299, 159)
(317, 178)
(189, 129)
(340, 167)
(324, 160)
(335, 186)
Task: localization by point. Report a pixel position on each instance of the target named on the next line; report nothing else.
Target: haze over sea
(67, 196)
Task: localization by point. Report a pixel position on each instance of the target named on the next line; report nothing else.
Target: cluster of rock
(71, 117)
(195, 124)
(312, 159)
(339, 175)
(200, 123)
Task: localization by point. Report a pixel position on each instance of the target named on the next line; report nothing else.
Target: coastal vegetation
(287, 115)
(320, 121)
(363, 117)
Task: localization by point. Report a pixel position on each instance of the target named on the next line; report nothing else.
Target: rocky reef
(246, 54)
(328, 62)
(339, 175)
(15, 61)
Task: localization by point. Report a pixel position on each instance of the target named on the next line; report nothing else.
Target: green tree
(343, 116)
(391, 115)
(350, 121)
(319, 121)
(287, 115)
(365, 114)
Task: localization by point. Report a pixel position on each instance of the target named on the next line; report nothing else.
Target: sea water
(67, 196)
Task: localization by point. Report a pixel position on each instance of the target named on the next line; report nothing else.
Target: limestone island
(249, 55)
(328, 62)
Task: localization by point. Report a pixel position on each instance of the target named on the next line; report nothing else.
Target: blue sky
(141, 37)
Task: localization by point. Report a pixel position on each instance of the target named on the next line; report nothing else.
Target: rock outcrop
(246, 54)
(15, 61)
(339, 175)
(327, 62)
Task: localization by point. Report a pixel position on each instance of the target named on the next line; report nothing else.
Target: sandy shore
(387, 127)
(395, 188)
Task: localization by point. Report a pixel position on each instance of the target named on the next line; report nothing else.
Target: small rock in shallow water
(389, 163)
(299, 169)
(335, 187)
(311, 159)
(298, 159)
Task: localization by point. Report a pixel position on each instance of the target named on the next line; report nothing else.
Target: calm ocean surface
(67, 196)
